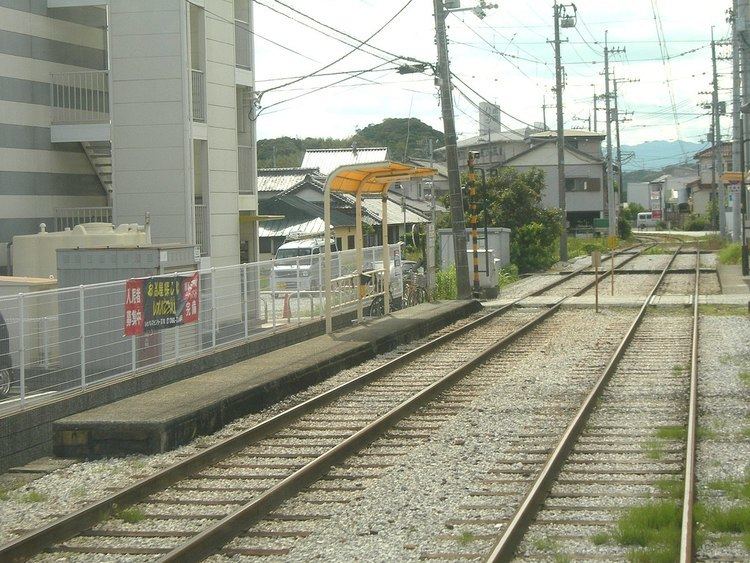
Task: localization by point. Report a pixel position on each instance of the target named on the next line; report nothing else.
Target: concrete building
(703, 190)
(585, 186)
(115, 110)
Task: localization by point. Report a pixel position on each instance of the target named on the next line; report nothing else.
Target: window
(338, 242)
(583, 184)
(350, 242)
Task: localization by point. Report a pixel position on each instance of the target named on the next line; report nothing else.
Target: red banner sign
(156, 303)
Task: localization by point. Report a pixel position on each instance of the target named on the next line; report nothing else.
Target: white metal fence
(68, 339)
(80, 97)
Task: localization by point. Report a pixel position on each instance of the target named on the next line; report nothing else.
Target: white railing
(243, 54)
(198, 80)
(68, 339)
(79, 97)
(69, 217)
(202, 229)
(244, 155)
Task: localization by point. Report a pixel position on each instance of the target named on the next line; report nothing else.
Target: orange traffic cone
(287, 314)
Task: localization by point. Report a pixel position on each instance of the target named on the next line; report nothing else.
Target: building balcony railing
(198, 79)
(69, 217)
(243, 55)
(79, 97)
(202, 229)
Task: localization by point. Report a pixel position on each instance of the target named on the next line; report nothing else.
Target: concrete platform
(173, 415)
(731, 280)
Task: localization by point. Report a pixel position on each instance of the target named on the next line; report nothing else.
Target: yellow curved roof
(373, 177)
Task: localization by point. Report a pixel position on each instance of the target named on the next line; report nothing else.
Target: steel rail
(210, 540)
(506, 546)
(688, 498)
(72, 524)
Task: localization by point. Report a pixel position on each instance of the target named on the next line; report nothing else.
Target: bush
(696, 223)
(532, 247)
(624, 229)
(445, 284)
(731, 254)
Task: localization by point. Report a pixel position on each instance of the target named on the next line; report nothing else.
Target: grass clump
(545, 544)
(466, 538)
(745, 377)
(445, 284)
(507, 276)
(730, 520)
(671, 433)
(600, 538)
(32, 496)
(737, 490)
(673, 488)
(730, 254)
(654, 449)
(131, 515)
(653, 530)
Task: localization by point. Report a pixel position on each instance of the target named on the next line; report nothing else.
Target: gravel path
(724, 417)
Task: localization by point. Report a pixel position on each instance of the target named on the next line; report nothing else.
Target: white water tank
(36, 255)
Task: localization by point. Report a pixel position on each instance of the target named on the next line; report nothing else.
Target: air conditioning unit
(451, 4)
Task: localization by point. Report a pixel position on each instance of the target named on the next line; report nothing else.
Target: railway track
(629, 452)
(218, 493)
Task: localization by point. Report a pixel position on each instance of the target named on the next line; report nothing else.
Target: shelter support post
(360, 253)
(327, 273)
(386, 259)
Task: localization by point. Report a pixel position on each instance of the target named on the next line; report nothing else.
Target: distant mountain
(393, 133)
(655, 155)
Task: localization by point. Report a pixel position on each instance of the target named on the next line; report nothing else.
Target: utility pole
(737, 121)
(611, 203)
(718, 151)
(568, 20)
(595, 111)
(618, 120)
(451, 155)
(451, 151)
(544, 112)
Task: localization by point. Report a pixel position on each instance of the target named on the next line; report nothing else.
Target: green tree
(630, 213)
(514, 201)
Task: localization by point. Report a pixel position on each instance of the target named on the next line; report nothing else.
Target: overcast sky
(519, 81)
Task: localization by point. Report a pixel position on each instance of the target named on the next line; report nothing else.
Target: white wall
(151, 115)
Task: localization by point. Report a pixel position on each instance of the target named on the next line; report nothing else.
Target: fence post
(22, 351)
(45, 343)
(299, 319)
(273, 292)
(133, 354)
(81, 322)
(320, 288)
(213, 307)
(177, 325)
(245, 319)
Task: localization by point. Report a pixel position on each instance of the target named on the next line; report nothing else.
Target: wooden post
(596, 258)
(612, 254)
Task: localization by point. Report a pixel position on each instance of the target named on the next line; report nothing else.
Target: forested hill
(391, 133)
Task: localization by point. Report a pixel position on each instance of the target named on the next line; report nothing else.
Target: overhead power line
(356, 48)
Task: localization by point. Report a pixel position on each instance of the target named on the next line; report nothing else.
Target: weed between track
(653, 530)
(722, 310)
(131, 515)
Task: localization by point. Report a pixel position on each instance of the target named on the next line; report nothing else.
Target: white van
(645, 220)
(299, 264)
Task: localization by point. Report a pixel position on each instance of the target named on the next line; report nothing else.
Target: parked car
(646, 220)
(300, 261)
(6, 365)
